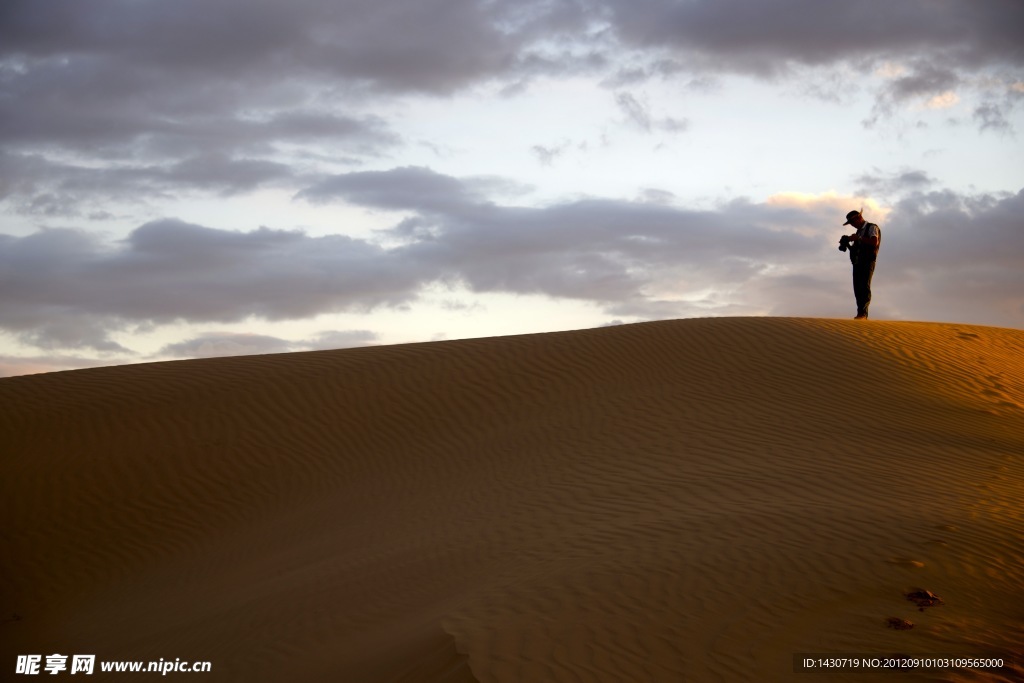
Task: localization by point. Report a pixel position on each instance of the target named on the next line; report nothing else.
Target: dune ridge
(691, 500)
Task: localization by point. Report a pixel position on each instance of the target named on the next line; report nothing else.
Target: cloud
(999, 104)
(35, 183)
(922, 50)
(70, 289)
(959, 257)
(944, 231)
(122, 100)
(168, 270)
(943, 101)
(547, 155)
(923, 80)
(655, 195)
(639, 113)
(342, 339)
(440, 46)
(114, 106)
(893, 184)
(11, 366)
(928, 83)
(236, 76)
(645, 259)
(764, 37)
(219, 344)
(434, 45)
(218, 171)
(634, 111)
(410, 187)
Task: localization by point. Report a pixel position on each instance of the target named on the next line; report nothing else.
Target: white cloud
(890, 70)
(944, 100)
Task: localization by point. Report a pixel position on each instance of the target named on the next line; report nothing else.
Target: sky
(222, 177)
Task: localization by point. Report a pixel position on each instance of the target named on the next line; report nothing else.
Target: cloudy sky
(219, 177)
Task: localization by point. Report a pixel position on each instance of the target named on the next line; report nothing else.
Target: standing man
(863, 252)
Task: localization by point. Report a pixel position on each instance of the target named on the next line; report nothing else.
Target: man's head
(855, 219)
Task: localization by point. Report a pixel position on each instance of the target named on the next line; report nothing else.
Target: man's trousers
(862, 272)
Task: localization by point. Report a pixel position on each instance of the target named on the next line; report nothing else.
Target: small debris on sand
(899, 624)
(924, 598)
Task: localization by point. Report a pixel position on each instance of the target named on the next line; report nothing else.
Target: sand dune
(691, 500)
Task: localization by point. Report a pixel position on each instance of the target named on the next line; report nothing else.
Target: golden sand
(694, 500)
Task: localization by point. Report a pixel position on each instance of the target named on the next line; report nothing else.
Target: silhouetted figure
(863, 246)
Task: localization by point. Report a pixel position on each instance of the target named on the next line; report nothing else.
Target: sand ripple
(673, 501)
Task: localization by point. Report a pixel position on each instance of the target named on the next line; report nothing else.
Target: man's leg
(862, 273)
(858, 292)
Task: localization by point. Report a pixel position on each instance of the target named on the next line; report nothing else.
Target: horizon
(211, 179)
(881, 325)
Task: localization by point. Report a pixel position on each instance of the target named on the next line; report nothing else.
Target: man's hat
(850, 216)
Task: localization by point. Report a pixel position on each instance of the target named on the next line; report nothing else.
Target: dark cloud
(39, 186)
(943, 232)
(119, 73)
(35, 183)
(993, 116)
(137, 98)
(442, 45)
(70, 289)
(621, 255)
(434, 45)
(939, 46)
(636, 72)
(955, 257)
(765, 37)
(168, 271)
(410, 187)
(219, 172)
(613, 253)
(922, 81)
(998, 105)
(889, 185)
(119, 98)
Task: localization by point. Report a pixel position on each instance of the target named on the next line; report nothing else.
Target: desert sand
(693, 500)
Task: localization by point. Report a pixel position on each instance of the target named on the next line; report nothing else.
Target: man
(863, 252)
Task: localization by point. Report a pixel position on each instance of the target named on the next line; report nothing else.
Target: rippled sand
(694, 500)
